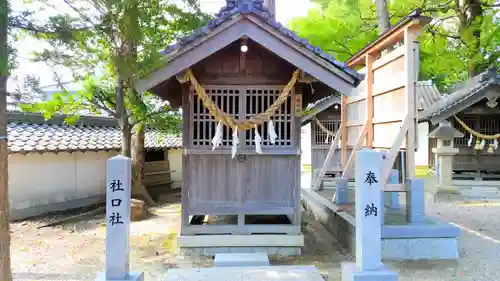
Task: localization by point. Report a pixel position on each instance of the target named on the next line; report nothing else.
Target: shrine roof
(463, 96)
(427, 94)
(257, 8)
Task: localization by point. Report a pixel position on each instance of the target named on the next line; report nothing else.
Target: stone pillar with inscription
(118, 192)
(368, 204)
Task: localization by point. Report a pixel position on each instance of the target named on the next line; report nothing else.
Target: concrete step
(241, 259)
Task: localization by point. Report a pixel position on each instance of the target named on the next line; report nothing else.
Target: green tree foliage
(341, 27)
(462, 40)
(123, 37)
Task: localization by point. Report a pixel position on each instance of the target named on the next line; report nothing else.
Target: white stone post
(118, 193)
(368, 204)
(368, 166)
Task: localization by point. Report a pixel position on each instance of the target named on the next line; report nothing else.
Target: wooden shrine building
(473, 109)
(324, 127)
(242, 81)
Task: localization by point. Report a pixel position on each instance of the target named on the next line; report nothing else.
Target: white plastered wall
(175, 159)
(41, 183)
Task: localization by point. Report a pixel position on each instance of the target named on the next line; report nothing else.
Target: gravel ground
(76, 251)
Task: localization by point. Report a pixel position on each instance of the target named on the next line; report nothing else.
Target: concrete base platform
(243, 259)
(253, 273)
(209, 245)
(351, 273)
(430, 240)
(132, 276)
(420, 249)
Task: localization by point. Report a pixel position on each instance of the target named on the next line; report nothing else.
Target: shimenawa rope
(229, 120)
(480, 138)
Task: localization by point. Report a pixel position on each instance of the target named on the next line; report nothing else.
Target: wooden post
(343, 129)
(410, 36)
(186, 177)
(369, 100)
(5, 271)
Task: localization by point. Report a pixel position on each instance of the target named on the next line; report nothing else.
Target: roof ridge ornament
(244, 7)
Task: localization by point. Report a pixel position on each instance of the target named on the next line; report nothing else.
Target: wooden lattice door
(250, 180)
(242, 102)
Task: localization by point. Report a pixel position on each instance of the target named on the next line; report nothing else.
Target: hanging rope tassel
(483, 143)
(471, 139)
(270, 131)
(490, 148)
(478, 145)
(327, 138)
(236, 142)
(495, 144)
(258, 141)
(217, 140)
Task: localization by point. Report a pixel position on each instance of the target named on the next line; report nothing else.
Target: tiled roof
(25, 136)
(427, 94)
(464, 94)
(319, 106)
(256, 8)
(331, 99)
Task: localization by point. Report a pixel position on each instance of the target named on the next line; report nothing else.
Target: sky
(285, 11)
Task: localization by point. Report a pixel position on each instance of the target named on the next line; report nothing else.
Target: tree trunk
(5, 271)
(126, 137)
(384, 22)
(474, 22)
(139, 191)
(123, 118)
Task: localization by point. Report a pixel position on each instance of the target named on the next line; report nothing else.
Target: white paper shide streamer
(270, 130)
(471, 139)
(217, 140)
(236, 142)
(327, 138)
(495, 144)
(483, 143)
(258, 141)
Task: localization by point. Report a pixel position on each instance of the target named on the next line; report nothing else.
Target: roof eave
(302, 58)
(317, 109)
(463, 104)
(354, 77)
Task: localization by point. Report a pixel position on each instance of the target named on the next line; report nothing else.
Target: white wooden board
(254, 273)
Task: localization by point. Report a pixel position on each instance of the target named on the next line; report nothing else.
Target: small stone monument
(118, 192)
(368, 266)
(445, 150)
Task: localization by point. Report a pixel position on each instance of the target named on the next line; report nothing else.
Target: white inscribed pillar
(368, 166)
(119, 178)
